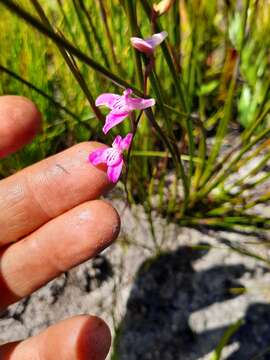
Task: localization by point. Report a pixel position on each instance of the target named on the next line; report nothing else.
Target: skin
(51, 220)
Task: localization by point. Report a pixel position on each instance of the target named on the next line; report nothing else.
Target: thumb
(79, 338)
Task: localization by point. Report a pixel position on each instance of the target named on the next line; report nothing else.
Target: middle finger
(60, 244)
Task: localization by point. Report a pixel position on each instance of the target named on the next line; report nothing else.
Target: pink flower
(148, 45)
(112, 156)
(121, 106)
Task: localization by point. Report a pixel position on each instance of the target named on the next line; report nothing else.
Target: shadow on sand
(166, 292)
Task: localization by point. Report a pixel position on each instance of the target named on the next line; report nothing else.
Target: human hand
(50, 221)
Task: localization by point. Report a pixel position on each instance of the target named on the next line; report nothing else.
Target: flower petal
(125, 143)
(98, 156)
(142, 45)
(117, 142)
(107, 99)
(139, 103)
(113, 120)
(156, 39)
(114, 172)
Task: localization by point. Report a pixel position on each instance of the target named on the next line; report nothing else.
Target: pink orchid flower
(148, 45)
(121, 106)
(112, 156)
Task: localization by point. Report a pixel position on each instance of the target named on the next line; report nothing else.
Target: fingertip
(82, 337)
(109, 218)
(20, 120)
(94, 341)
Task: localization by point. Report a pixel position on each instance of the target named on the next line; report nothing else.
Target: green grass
(211, 76)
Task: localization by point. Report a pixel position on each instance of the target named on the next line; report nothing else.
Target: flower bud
(162, 7)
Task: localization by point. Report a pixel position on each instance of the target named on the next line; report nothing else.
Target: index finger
(43, 191)
(19, 122)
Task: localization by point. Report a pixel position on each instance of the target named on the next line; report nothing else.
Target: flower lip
(112, 157)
